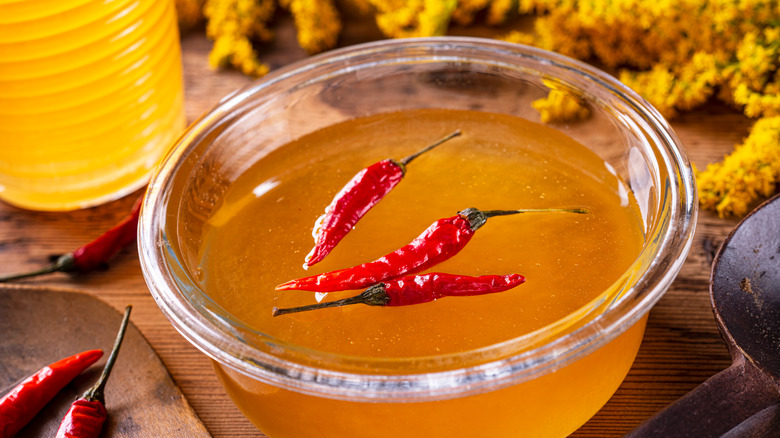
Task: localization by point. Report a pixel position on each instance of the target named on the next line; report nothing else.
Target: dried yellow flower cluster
(317, 21)
(236, 26)
(679, 54)
(675, 53)
(560, 106)
(233, 24)
(751, 171)
(413, 18)
(497, 11)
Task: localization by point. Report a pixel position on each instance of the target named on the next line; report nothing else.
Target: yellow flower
(317, 22)
(670, 88)
(499, 11)
(236, 51)
(752, 171)
(233, 24)
(239, 17)
(413, 18)
(560, 106)
(518, 37)
(466, 10)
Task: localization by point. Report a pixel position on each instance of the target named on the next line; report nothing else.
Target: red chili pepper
(420, 289)
(20, 405)
(85, 418)
(95, 254)
(357, 197)
(442, 240)
(87, 414)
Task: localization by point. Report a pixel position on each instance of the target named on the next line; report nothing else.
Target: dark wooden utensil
(740, 401)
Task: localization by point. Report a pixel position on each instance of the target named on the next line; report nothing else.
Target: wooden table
(681, 349)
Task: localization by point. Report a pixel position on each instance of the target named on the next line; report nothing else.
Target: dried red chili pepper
(94, 254)
(357, 197)
(418, 289)
(20, 405)
(442, 240)
(87, 414)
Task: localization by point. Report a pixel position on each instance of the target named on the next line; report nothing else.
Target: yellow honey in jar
(258, 238)
(90, 98)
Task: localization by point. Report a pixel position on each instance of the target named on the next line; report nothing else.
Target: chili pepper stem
(97, 391)
(409, 159)
(94, 254)
(65, 263)
(477, 218)
(492, 213)
(373, 296)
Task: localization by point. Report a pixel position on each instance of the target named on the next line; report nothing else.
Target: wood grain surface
(681, 349)
(40, 326)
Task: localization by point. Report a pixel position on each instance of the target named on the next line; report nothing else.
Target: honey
(90, 98)
(258, 238)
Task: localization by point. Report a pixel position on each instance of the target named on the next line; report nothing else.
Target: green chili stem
(477, 218)
(492, 213)
(97, 391)
(64, 263)
(373, 296)
(409, 159)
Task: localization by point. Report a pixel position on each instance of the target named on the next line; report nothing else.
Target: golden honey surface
(259, 236)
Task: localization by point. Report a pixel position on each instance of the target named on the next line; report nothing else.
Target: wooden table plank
(681, 349)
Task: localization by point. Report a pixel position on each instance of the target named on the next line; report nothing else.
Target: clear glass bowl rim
(216, 336)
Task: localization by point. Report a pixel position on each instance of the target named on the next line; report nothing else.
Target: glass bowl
(544, 383)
